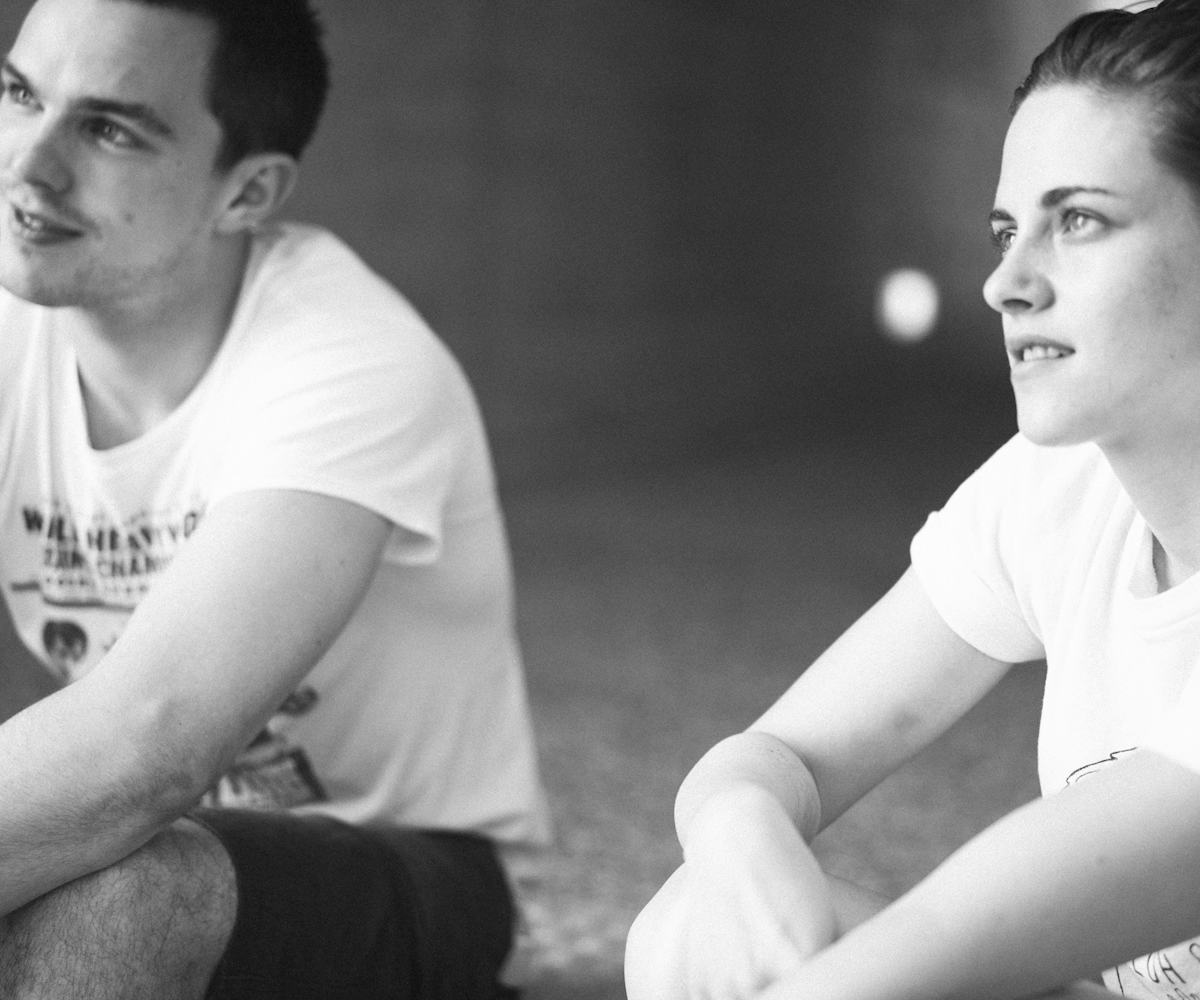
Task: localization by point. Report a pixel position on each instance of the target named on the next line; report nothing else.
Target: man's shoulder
(314, 314)
(312, 269)
(307, 282)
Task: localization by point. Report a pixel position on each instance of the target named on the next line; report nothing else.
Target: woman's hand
(748, 906)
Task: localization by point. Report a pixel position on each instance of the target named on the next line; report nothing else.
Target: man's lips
(41, 225)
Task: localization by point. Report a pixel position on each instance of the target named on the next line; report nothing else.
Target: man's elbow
(162, 767)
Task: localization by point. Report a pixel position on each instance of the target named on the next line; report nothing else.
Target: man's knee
(183, 871)
(173, 899)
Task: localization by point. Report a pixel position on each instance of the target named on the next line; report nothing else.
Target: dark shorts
(328, 911)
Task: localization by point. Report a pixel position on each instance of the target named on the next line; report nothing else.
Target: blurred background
(654, 229)
(655, 235)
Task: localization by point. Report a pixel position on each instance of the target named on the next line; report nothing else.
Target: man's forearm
(80, 790)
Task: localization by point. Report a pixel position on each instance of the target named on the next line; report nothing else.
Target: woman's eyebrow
(1052, 198)
(1056, 196)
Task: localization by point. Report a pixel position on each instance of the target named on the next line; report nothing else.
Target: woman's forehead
(1074, 136)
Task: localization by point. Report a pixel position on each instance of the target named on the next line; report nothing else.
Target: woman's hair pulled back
(1152, 54)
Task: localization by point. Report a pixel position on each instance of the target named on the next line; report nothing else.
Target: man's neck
(139, 361)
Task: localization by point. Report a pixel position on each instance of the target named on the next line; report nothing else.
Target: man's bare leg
(151, 927)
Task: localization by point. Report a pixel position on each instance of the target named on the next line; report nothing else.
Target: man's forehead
(117, 46)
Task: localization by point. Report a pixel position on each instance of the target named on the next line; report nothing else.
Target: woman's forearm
(755, 759)
(1056, 891)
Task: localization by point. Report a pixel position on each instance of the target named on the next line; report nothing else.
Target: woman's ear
(257, 186)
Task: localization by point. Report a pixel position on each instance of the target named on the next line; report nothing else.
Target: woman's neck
(1164, 485)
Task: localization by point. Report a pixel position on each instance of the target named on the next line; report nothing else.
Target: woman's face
(1099, 280)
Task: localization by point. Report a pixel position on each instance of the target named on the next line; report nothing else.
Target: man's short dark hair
(269, 73)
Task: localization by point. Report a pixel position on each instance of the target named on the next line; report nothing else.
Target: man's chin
(35, 289)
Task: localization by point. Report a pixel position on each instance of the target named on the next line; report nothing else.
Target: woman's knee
(654, 948)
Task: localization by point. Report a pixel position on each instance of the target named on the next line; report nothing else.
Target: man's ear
(257, 186)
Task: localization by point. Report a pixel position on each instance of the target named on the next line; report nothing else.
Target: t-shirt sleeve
(378, 420)
(969, 562)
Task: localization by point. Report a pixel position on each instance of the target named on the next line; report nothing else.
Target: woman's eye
(1075, 221)
(18, 93)
(1002, 239)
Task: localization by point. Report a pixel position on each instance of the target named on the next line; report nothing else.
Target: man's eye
(112, 134)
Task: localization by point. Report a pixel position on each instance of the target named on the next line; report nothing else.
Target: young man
(253, 489)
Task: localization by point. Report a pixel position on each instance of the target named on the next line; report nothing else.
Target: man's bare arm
(249, 605)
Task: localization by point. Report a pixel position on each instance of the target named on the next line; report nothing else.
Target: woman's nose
(1018, 284)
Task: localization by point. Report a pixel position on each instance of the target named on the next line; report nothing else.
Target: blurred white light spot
(906, 305)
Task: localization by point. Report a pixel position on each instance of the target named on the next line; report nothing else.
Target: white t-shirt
(1041, 553)
(329, 382)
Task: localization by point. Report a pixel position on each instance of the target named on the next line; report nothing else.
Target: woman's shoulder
(1047, 468)
(1045, 486)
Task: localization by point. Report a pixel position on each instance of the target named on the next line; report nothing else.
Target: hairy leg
(151, 927)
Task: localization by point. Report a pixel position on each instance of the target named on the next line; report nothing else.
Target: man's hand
(748, 906)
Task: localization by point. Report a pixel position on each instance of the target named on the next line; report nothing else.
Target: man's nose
(34, 153)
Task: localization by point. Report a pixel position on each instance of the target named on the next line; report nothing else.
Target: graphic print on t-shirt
(65, 643)
(80, 585)
(271, 773)
(101, 562)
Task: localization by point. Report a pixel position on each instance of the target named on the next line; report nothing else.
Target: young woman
(1078, 541)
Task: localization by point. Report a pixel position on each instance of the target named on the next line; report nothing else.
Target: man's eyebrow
(135, 111)
(1052, 198)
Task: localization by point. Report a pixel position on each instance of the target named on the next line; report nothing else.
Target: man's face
(107, 152)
